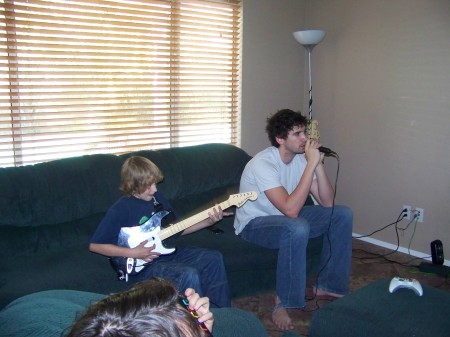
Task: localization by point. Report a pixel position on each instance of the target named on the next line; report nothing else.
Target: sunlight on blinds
(85, 77)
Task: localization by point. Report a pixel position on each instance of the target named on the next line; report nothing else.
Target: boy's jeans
(197, 268)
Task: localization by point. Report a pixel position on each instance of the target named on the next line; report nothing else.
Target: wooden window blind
(84, 77)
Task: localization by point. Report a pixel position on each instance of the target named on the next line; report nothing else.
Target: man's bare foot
(280, 317)
(320, 292)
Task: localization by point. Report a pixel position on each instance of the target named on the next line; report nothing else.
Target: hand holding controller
(400, 282)
(184, 302)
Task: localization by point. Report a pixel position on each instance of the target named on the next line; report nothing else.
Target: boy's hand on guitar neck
(217, 214)
(214, 215)
(144, 253)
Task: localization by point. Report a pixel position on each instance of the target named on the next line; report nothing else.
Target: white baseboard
(387, 245)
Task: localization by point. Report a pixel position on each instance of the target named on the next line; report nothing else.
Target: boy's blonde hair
(137, 174)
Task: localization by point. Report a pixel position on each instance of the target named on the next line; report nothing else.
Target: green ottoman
(50, 314)
(45, 313)
(373, 311)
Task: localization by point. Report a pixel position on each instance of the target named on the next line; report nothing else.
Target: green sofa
(50, 210)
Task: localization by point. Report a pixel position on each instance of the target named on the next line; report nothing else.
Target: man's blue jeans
(197, 268)
(291, 235)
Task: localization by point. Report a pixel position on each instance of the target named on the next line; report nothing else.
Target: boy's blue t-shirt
(128, 211)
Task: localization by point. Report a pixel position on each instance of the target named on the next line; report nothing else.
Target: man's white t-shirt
(263, 172)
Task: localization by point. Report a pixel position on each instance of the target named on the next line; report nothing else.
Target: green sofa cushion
(59, 191)
(69, 189)
(373, 311)
(46, 313)
(197, 169)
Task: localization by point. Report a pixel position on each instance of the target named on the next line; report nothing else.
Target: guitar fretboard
(182, 225)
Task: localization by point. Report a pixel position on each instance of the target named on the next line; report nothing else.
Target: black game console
(437, 252)
(437, 257)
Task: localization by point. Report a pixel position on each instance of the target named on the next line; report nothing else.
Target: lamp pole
(309, 39)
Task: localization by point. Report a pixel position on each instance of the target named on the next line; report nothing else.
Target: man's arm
(321, 187)
(291, 204)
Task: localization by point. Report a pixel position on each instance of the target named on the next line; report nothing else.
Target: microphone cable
(330, 154)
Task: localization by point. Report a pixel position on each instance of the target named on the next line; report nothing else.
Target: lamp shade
(309, 37)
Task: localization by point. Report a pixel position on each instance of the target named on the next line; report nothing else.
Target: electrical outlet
(408, 212)
(419, 213)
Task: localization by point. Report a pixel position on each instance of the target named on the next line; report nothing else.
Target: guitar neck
(186, 223)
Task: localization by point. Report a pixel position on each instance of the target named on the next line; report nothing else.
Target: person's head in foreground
(150, 308)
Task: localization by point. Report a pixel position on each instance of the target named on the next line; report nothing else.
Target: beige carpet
(365, 269)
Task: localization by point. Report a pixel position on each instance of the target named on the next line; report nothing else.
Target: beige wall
(272, 65)
(381, 85)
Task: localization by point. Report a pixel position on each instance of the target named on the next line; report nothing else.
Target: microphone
(326, 150)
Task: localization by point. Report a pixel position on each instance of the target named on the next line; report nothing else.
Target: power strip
(426, 267)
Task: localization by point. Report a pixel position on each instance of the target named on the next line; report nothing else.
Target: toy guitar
(151, 231)
(312, 129)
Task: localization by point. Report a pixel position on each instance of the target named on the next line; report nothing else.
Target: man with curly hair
(284, 175)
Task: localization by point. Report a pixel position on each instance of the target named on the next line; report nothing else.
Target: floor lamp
(309, 39)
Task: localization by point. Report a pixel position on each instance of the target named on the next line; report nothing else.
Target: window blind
(84, 77)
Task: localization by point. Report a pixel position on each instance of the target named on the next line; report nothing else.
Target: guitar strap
(168, 219)
(157, 207)
(157, 204)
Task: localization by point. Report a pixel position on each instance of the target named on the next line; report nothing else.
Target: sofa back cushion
(69, 189)
(197, 169)
(197, 177)
(49, 207)
(58, 191)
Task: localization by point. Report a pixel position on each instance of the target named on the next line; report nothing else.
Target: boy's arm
(139, 252)
(214, 217)
(109, 249)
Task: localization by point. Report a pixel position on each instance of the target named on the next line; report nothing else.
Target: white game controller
(409, 283)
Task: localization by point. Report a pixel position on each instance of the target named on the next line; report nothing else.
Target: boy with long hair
(197, 268)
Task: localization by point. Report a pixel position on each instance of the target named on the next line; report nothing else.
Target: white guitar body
(151, 230)
(133, 236)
